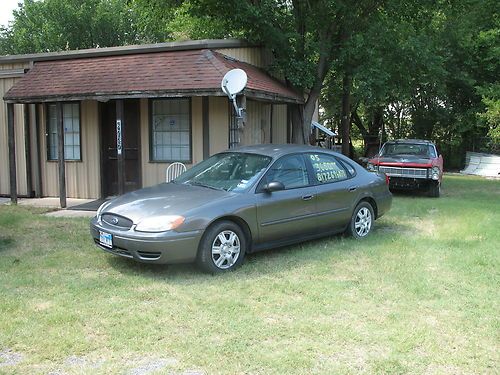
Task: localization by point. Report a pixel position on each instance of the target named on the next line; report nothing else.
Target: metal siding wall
(197, 124)
(82, 178)
(250, 55)
(219, 124)
(5, 85)
(279, 123)
(34, 151)
(50, 176)
(257, 126)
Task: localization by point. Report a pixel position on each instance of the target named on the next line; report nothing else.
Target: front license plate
(106, 239)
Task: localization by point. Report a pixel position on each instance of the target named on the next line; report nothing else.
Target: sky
(6, 8)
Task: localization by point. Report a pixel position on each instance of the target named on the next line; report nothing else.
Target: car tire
(434, 190)
(362, 220)
(222, 248)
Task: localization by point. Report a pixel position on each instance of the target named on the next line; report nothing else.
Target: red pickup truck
(410, 164)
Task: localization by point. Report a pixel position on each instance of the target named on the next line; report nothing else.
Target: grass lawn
(420, 295)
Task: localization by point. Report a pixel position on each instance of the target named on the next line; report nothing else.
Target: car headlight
(371, 167)
(101, 208)
(159, 223)
(435, 173)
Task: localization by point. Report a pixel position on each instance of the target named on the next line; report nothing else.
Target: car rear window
(327, 168)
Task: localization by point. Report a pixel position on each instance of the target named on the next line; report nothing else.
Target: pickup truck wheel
(222, 247)
(434, 189)
(361, 221)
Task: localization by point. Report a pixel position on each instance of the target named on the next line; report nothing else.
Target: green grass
(420, 295)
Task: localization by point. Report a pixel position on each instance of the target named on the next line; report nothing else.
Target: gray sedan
(241, 201)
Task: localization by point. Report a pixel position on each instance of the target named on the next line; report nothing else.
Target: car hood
(163, 199)
(401, 160)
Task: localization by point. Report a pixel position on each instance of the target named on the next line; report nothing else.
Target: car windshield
(417, 149)
(230, 171)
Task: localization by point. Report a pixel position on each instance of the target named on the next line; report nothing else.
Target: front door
(121, 166)
(290, 213)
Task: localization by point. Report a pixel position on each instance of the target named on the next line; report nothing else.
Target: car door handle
(307, 197)
(353, 188)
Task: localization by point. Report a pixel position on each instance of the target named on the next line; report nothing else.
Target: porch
(121, 120)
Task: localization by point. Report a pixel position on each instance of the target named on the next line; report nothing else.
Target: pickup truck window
(417, 149)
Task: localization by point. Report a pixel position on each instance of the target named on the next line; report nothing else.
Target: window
(170, 130)
(327, 168)
(418, 149)
(290, 170)
(71, 124)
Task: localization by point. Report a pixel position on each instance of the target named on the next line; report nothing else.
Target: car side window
(327, 168)
(290, 170)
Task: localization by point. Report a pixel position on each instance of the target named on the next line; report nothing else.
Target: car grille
(404, 172)
(117, 221)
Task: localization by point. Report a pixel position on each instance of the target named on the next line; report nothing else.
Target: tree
(305, 38)
(54, 25)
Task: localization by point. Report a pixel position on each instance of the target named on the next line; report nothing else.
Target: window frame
(339, 161)
(150, 130)
(47, 120)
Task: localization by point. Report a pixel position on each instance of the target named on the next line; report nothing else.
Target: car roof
(421, 141)
(277, 150)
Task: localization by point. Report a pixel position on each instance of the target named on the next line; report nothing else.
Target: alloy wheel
(363, 222)
(225, 249)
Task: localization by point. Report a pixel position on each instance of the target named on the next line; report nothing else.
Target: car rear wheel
(361, 221)
(222, 247)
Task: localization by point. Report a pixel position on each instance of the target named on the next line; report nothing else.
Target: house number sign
(119, 137)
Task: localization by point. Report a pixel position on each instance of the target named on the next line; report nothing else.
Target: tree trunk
(297, 124)
(345, 123)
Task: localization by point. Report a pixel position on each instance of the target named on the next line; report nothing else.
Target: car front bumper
(405, 183)
(165, 247)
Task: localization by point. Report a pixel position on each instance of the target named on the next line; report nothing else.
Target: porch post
(119, 145)
(12, 153)
(27, 150)
(60, 155)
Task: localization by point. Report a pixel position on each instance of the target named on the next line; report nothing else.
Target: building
(123, 114)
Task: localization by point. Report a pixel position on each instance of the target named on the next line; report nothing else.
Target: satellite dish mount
(232, 84)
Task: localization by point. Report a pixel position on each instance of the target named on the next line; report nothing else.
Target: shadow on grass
(6, 243)
(268, 262)
(411, 193)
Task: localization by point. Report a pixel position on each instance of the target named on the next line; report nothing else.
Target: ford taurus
(241, 201)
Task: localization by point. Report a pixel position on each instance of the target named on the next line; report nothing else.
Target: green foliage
(54, 25)
(432, 66)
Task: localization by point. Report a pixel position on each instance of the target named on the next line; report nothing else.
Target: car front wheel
(434, 190)
(361, 221)
(222, 247)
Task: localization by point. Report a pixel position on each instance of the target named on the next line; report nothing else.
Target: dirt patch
(82, 362)
(152, 365)
(10, 358)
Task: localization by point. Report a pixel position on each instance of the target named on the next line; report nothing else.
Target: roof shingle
(175, 73)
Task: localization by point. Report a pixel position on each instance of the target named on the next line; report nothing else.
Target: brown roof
(162, 74)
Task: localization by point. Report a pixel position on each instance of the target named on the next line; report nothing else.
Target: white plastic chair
(174, 170)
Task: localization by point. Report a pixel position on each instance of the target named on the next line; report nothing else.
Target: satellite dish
(232, 84)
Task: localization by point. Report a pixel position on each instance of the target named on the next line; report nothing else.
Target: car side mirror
(273, 186)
